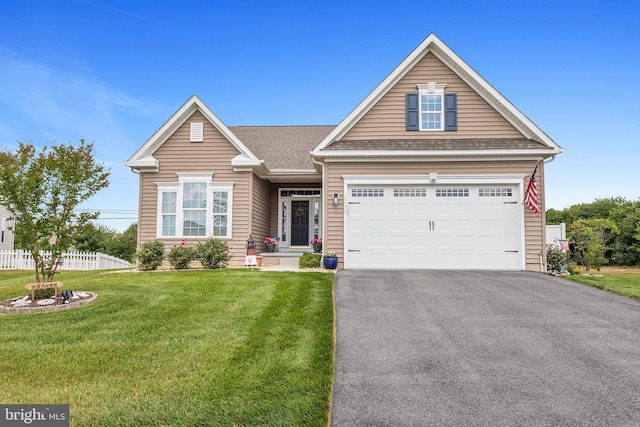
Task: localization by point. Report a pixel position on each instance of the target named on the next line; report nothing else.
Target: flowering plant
(273, 240)
(330, 255)
(316, 240)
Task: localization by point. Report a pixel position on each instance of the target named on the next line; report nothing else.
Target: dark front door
(300, 223)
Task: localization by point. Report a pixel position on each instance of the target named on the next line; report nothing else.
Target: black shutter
(413, 122)
(450, 111)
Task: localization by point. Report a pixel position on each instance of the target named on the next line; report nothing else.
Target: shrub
(574, 269)
(150, 255)
(44, 293)
(214, 253)
(180, 256)
(309, 260)
(557, 259)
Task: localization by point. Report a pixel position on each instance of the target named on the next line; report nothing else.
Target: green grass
(621, 281)
(181, 348)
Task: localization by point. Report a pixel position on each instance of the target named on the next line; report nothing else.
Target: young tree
(42, 188)
(589, 239)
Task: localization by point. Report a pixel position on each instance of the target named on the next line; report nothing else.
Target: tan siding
(260, 212)
(214, 155)
(476, 118)
(334, 217)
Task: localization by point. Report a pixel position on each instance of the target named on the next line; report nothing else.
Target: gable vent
(197, 132)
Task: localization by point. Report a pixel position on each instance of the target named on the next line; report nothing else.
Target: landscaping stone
(47, 301)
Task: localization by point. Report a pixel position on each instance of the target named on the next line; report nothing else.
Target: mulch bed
(7, 307)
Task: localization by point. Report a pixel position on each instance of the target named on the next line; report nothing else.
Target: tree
(43, 188)
(94, 238)
(589, 238)
(124, 245)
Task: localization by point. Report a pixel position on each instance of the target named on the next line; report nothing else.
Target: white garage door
(433, 226)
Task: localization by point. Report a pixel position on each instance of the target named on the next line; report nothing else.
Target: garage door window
(367, 192)
(495, 192)
(409, 192)
(452, 192)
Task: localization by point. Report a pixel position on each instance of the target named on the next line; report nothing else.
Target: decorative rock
(48, 301)
(19, 304)
(81, 294)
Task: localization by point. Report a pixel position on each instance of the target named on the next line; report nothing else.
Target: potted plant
(271, 243)
(330, 261)
(316, 242)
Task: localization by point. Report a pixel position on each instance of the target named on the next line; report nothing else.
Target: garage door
(433, 226)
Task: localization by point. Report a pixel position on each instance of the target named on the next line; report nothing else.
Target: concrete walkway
(457, 348)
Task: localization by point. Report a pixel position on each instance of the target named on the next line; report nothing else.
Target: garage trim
(516, 180)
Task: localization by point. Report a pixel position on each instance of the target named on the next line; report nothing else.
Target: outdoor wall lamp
(336, 199)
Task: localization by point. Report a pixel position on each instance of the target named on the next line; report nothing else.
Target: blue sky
(113, 72)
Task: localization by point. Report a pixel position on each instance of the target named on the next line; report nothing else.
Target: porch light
(336, 199)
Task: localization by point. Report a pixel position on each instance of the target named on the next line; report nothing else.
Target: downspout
(543, 267)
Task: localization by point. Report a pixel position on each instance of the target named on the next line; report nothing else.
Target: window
(367, 192)
(452, 192)
(168, 213)
(495, 192)
(431, 109)
(194, 207)
(431, 106)
(409, 192)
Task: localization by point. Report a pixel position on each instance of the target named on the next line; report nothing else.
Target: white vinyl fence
(22, 260)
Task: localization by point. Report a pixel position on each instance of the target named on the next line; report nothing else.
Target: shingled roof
(282, 147)
(439, 144)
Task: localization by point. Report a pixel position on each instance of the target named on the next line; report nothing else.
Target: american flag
(531, 195)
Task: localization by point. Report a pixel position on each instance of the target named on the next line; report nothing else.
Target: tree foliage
(43, 188)
(589, 239)
(624, 246)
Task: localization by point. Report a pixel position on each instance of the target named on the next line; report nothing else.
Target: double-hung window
(195, 206)
(431, 109)
(431, 106)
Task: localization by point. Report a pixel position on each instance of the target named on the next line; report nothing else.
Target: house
(428, 171)
(6, 230)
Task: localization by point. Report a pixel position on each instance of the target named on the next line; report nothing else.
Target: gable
(143, 160)
(178, 153)
(387, 118)
(473, 111)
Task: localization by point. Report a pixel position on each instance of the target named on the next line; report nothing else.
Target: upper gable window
(431, 109)
(431, 106)
(197, 132)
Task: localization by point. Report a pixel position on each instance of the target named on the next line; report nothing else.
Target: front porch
(284, 257)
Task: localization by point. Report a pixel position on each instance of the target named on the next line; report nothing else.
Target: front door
(300, 223)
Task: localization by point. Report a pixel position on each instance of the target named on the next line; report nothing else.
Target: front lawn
(619, 280)
(180, 348)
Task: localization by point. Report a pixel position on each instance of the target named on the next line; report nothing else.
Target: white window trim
(179, 189)
(431, 88)
(285, 243)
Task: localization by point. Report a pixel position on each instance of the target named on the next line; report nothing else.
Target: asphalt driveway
(431, 348)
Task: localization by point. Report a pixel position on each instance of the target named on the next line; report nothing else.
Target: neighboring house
(6, 232)
(428, 171)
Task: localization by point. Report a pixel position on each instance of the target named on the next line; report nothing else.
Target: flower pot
(317, 247)
(271, 247)
(259, 259)
(330, 263)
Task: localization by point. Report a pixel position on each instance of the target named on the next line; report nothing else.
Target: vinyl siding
(476, 118)
(213, 155)
(260, 211)
(334, 216)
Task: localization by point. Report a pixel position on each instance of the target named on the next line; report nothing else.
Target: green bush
(150, 255)
(574, 269)
(44, 293)
(214, 253)
(309, 260)
(557, 259)
(180, 256)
